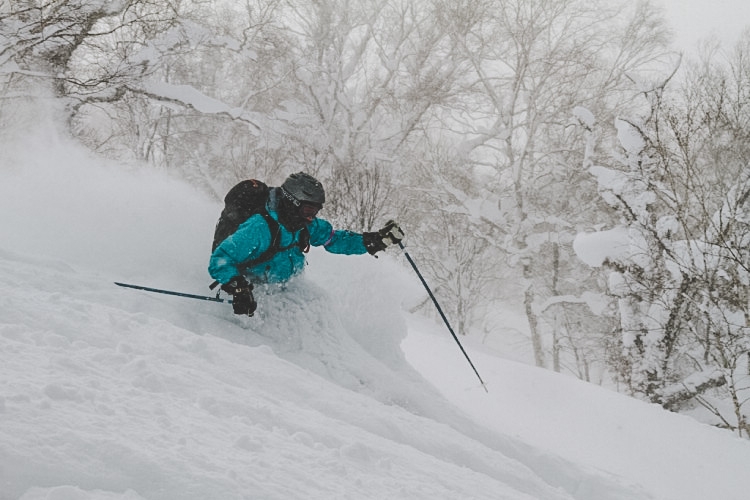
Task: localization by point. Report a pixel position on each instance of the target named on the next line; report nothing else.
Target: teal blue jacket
(253, 237)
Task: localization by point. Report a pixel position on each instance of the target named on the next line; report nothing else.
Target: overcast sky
(694, 20)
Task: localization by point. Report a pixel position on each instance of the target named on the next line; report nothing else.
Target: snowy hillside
(331, 391)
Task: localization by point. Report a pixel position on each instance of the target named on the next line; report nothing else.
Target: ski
(177, 294)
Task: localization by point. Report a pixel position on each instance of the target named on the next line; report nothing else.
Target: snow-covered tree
(367, 75)
(531, 63)
(681, 185)
(39, 39)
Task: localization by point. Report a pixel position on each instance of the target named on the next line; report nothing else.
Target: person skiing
(270, 246)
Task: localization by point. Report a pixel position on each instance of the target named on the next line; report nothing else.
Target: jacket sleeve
(250, 240)
(335, 240)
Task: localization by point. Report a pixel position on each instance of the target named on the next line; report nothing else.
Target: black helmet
(304, 188)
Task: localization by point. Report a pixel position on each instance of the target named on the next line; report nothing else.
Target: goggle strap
(289, 197)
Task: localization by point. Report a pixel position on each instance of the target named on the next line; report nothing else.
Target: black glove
(391, 234)
(241, 291)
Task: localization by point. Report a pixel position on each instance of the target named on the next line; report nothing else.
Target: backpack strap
(275, 247)
(303, 243)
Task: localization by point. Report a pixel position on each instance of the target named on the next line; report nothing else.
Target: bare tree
(452, 242)
(531, 63)
(369, 72)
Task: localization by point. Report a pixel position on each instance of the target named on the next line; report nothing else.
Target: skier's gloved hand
(391, 234)
(241, 291)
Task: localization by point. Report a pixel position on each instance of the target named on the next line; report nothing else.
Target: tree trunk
(536, 339)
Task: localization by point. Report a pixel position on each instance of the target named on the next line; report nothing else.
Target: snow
(187, 95)
(585, 116)
(594, 248)
(333, 390)
(629, 137)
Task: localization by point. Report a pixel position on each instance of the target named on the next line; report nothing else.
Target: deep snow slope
(672, 456)
(107, 393)
(104, 391)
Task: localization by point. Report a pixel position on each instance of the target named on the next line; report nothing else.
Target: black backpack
(241, 202)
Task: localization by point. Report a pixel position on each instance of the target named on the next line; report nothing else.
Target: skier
(269, 247)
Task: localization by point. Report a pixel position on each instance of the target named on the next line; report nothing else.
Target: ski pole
(442, 315)
(178, 294)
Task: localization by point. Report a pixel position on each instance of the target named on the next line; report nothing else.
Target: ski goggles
(308, 211)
